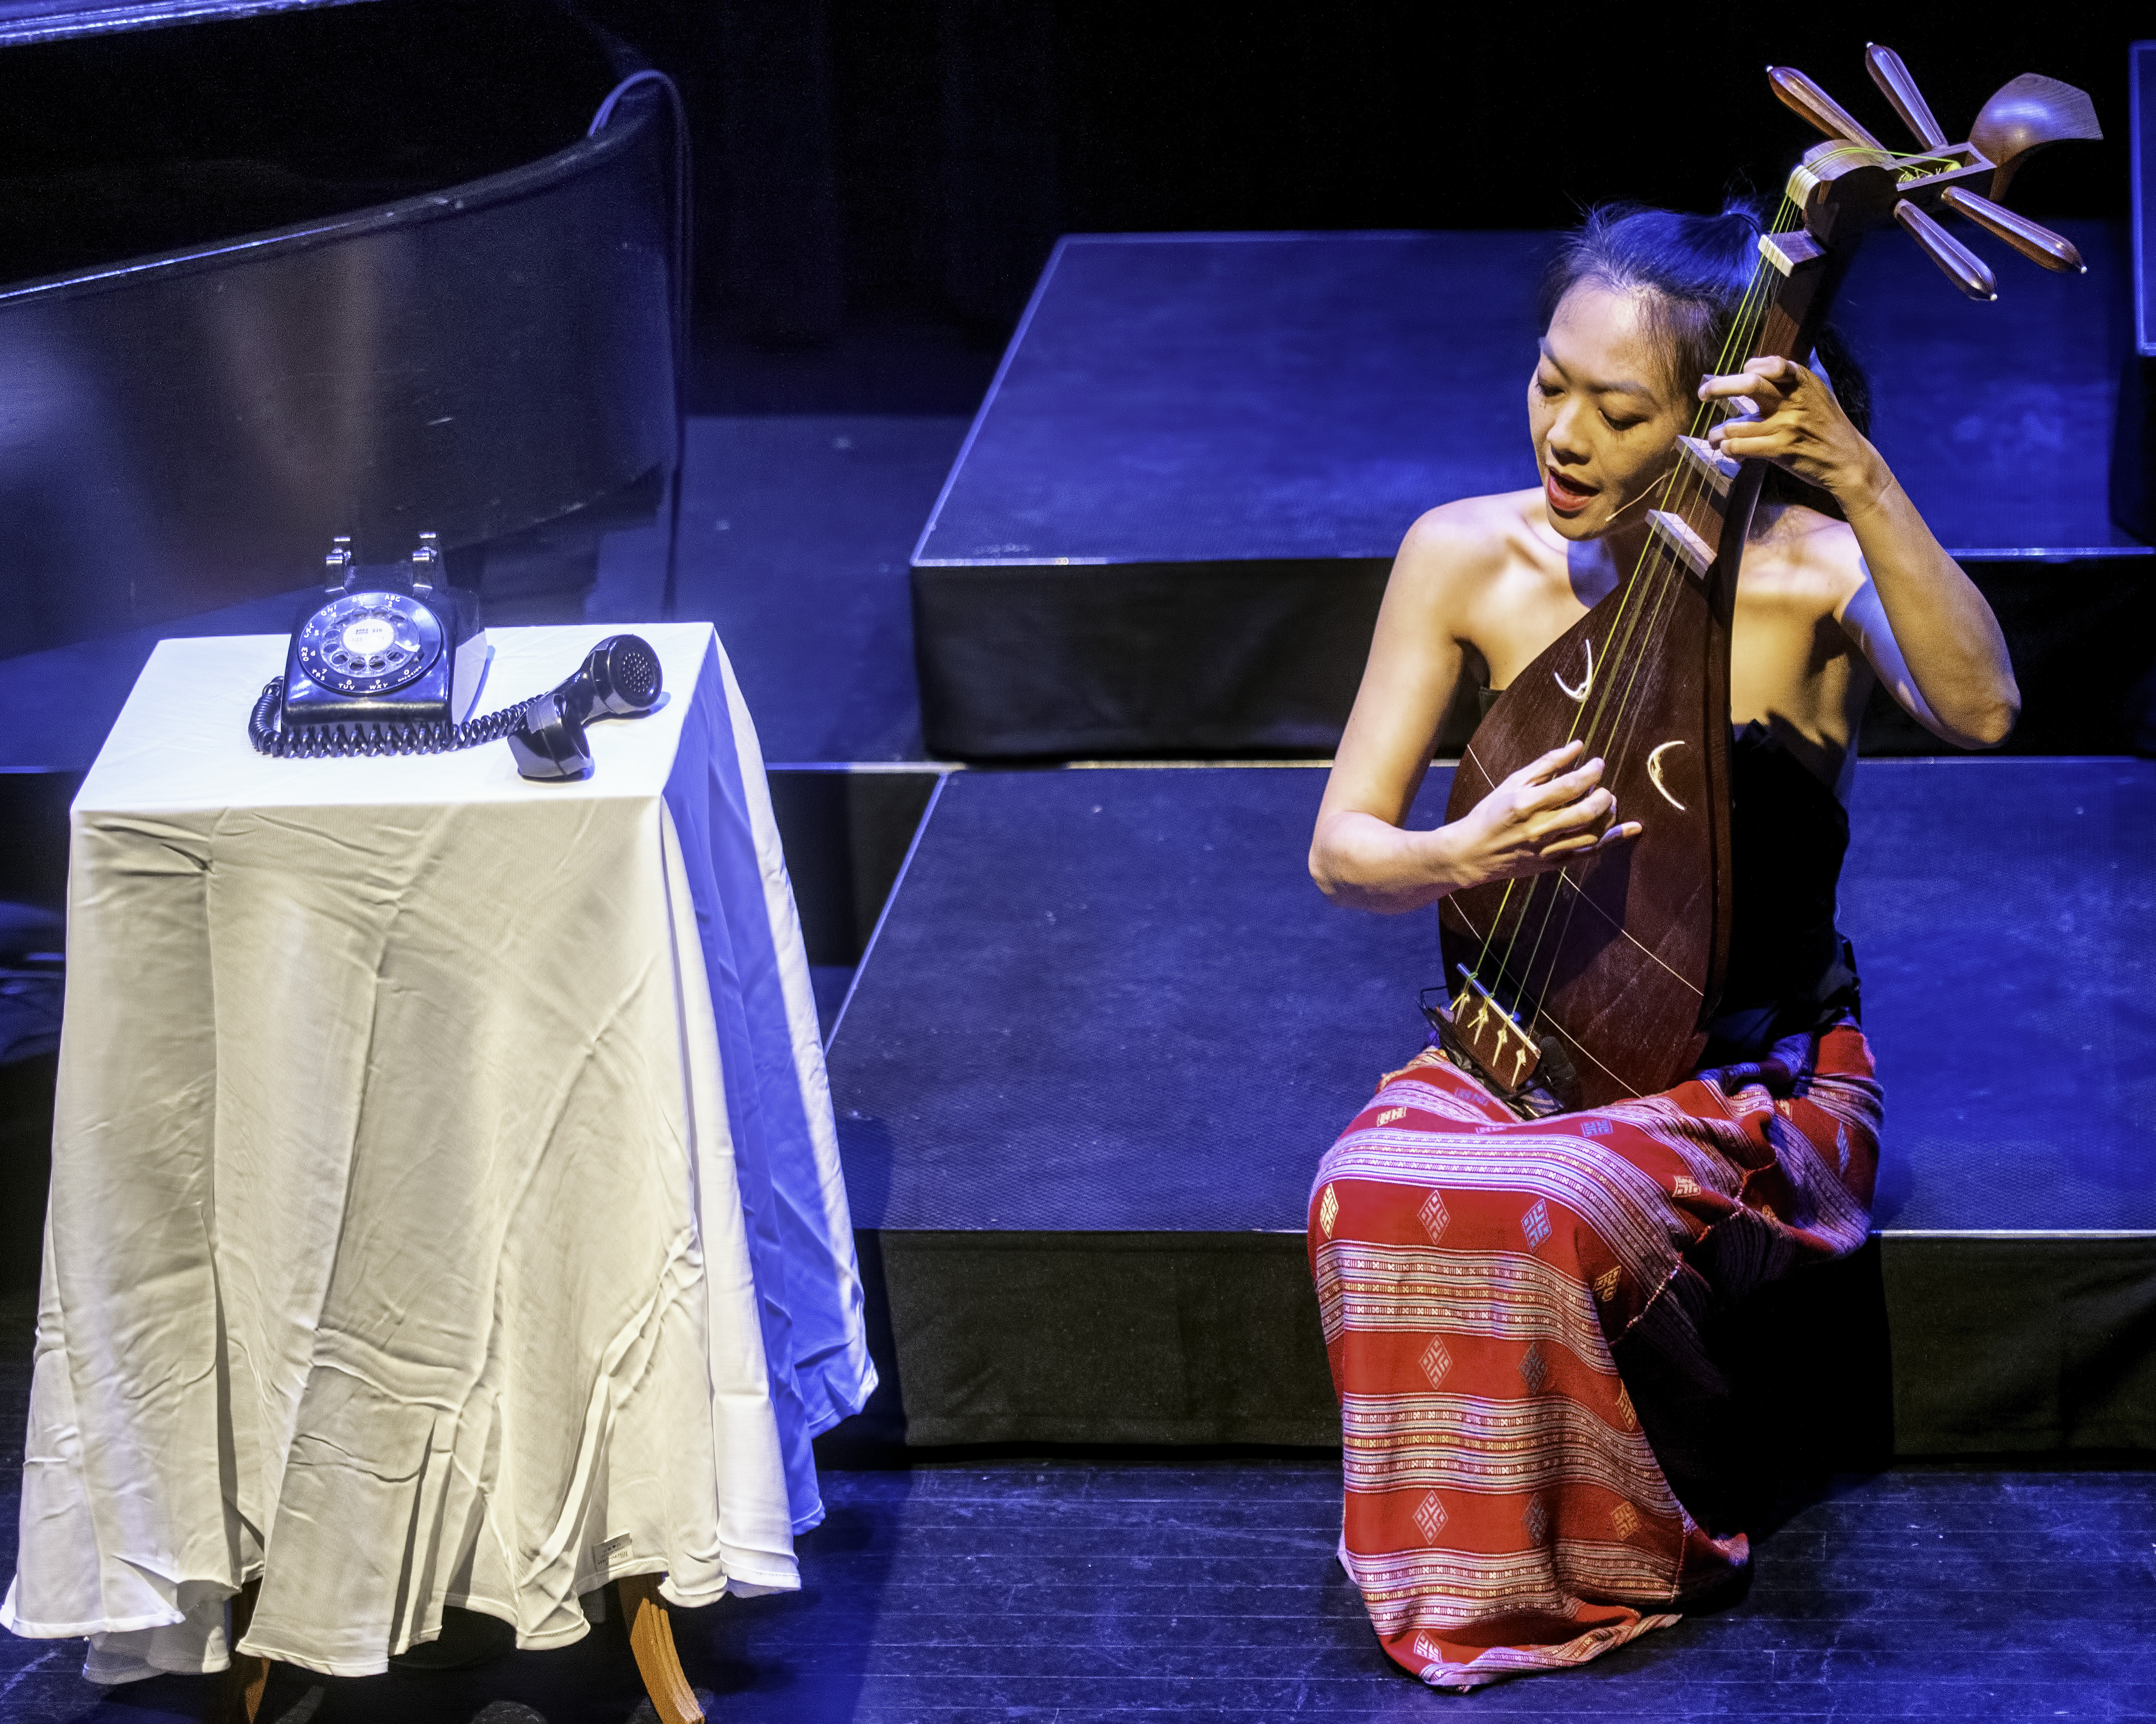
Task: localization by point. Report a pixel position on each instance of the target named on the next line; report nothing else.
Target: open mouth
(1564, 495)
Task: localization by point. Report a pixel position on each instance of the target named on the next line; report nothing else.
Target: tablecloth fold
(446, 1207)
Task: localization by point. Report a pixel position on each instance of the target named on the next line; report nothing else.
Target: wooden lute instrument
(1597, 983)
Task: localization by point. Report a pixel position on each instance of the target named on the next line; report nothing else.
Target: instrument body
(1597, 983)
(1628, 944)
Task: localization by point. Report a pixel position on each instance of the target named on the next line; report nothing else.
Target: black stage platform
(1107, 1026)
(1169, 526)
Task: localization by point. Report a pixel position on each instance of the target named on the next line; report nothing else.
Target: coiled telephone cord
(374, 736)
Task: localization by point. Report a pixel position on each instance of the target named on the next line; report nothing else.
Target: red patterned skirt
(1482, 1280)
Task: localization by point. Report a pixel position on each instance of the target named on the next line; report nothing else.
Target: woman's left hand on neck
(1947, 642)
(1787, 415)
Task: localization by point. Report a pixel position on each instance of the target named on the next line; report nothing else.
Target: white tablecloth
(445, 1205)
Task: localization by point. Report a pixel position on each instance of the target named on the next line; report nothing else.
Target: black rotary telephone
(392, 665)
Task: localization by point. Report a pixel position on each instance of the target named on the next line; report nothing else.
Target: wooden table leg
(239, 1694)
(651, 1639)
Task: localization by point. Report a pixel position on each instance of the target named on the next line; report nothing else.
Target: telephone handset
(392, 665)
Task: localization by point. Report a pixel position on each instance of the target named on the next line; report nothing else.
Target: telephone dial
(393, 664)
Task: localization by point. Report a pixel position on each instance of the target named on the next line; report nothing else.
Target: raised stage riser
(1108, 1026)
(1918, 1347)
(1164, 660)
(1166, 533)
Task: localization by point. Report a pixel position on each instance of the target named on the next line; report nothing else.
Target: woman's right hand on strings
(1447, 589)
(1549, 812)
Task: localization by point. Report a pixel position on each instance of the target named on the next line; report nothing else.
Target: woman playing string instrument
(1515, 1308)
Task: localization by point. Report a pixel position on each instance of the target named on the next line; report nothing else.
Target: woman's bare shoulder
(1802, 550)
(1469, 541)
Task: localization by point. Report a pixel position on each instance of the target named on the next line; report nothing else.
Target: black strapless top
(1789, 968)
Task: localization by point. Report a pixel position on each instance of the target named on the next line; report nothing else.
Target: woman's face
(1601, 411)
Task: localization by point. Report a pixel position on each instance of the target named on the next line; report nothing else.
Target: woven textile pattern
(1478, 1275)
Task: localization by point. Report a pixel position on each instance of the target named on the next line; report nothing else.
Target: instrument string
(1649, 588)
(1745, 326)
(1629, 608)
(1744, 332)
(1640, 623)
(1759, 301)
(1654, 583)
(1504, 900)
(1647, 582)
(1685, 486)
(1622, 724)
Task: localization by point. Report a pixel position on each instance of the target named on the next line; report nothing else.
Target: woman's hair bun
(1692, 274)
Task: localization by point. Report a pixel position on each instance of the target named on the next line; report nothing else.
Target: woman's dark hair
(1691, 272)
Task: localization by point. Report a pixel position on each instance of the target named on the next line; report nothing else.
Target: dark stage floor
(963, 1590)
(1069, 1591)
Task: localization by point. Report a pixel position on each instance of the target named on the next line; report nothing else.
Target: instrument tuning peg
(2025, 115)
(1962, 266)
(1799, 94)
(1899, 88)
(2036, 243)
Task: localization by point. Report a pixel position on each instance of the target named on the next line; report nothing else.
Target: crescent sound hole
(1654, 771)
